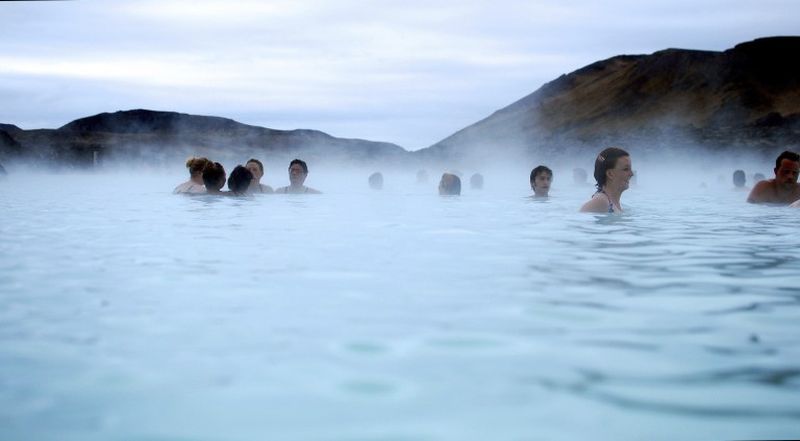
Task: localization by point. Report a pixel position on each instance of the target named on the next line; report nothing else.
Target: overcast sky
(409, 72)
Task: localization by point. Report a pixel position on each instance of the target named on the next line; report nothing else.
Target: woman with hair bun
(613, 172)
(195, 183)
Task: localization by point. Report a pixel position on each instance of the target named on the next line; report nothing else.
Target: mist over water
(132, 313)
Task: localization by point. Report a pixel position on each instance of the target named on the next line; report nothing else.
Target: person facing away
(214, 177)
(450, 185)
(240, 180)
(739, 180)
(195, 183)
(783, 189)
(579, 177)
(613, 173)
(375, 181)
(541, 177)
(257, 169)
(476, 181)
(298, 171)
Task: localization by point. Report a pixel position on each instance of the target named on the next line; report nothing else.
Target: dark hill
(154, 137)
(744, 98)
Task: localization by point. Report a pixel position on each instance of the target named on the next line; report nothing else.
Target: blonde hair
(196, 165)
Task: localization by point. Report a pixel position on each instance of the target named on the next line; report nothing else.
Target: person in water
(375, 181)
(240, 180)
(422, 176)
(541, 177)
(476, 181)
(195, 183)
(739, 180)
(613, 173)
(214, 177)
(784, 189)
(758, 177)
(579, 177)
(298, 171)
(257, 169)
(450, 185)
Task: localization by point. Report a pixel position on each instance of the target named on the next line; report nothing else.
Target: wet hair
(239, 180)
(450, 184)
(301, 163)
(739, 178)
(759, 177)
(476, 181)
(792, 156)
(376, 180)
(260, 165)
(606, 160)
(538, 170)
(212, 173)
(196, 165)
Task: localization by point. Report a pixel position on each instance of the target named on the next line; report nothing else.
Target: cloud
(405, 72)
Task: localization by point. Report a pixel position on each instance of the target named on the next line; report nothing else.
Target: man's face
(541, 184)
(296, 175)
(255, 170)
(786, 174)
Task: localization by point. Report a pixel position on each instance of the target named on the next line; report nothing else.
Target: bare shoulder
(597, 204)
(760, 192)
(312, 191)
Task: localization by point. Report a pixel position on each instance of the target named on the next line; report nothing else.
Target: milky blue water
(129, 313)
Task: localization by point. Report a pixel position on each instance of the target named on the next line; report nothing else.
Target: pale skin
(257, 175)
(617, 180)
(784, 189)
(193, 185)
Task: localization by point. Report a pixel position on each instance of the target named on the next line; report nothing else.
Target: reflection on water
(403, 315)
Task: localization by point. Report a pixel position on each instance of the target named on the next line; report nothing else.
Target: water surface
(127, 313)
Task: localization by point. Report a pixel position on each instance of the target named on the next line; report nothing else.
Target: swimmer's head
(541, 177)
(375, 181)
(422, 176)
(476, 181)
(739, 178)
(787, 167)
(213, 176)
(579, 176)
(256, 168)
(605, 166)
(298, 170)
(239, 180)
(450, 184)
(196, 166)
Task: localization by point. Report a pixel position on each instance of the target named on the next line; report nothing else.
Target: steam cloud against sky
(409, 72)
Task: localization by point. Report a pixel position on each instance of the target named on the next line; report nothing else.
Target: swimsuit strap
(610, 204)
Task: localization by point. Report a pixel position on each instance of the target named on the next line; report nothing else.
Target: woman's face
(621, 174)
(255, 170)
